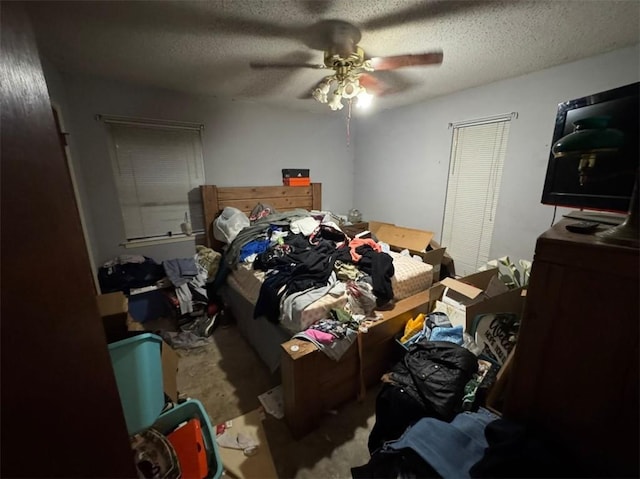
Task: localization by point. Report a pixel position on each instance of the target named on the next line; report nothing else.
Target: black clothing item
(271, 291)
(314, 268)
(403, 464)
(514, 451)
(380, 267)
(435, 374)
(123, 277)
(395, 412)
(305, 266)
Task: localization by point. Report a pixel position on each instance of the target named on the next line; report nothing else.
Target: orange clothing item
(357, 242)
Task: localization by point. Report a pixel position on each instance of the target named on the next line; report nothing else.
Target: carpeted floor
(227, 377)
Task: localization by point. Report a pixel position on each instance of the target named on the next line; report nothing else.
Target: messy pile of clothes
(183, 283)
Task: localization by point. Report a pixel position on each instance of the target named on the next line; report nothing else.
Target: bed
(312, 382)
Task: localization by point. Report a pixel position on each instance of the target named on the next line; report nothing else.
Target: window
(475, 171)
(158, 169)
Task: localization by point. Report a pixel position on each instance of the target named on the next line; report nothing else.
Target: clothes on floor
(473, 444)
(180, 271)
(189, 278)
(184, 339)
(124, 276)
(209, 260)
(435, 373)
(451, 449)
(125, 259)
(396, 410)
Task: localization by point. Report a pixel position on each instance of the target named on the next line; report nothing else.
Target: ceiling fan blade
(389, 82)
(250, 26)
(424, 10)
(332, 35)
(317, 6)
(373, 84)
(402, 61)
(264, 65)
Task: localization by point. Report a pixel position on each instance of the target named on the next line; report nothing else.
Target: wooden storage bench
(313, 383)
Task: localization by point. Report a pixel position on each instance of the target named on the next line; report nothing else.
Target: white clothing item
(124, 259)
(306, 226)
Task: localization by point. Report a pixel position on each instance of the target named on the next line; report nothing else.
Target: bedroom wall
(245, 144)
(402, 155)
(58, 95)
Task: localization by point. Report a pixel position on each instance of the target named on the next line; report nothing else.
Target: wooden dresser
(575, 371)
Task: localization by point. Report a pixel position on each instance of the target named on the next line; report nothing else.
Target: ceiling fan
(353, 71)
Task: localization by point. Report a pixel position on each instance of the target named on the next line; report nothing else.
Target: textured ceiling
(205, 47)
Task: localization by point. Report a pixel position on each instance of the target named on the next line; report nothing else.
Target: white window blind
(158, 170)
(475, 171)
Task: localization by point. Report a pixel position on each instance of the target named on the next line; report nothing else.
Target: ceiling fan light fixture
(364, 99)
(336, 101)
(351, 87)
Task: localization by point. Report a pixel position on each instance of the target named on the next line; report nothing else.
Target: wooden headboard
(245, 198)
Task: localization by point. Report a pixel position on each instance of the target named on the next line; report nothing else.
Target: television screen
(609, 180)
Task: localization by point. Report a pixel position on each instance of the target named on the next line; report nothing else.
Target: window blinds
(158, 171)
(475, 171)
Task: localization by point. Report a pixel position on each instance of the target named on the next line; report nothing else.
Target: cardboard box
(478, 293)
(235, 463)
(113, 308)
(169, 359)
(414, 240)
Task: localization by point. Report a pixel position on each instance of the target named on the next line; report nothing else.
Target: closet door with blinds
(475, 172)
(157, 170)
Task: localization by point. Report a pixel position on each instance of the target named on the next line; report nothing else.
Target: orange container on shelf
(189, 445)
(304, 181)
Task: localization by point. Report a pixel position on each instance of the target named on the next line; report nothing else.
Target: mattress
(411, 276)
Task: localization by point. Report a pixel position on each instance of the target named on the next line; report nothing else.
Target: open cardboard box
(414, 240)
(478, 293)
(113, 308)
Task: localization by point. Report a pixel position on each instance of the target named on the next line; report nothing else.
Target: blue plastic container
(138, 369)
(190, 409)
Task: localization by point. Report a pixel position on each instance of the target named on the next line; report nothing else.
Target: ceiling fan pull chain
(350, 101)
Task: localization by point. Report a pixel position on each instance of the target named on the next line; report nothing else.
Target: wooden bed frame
(312, 382)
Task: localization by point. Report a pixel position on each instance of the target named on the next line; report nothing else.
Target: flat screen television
(610, 181)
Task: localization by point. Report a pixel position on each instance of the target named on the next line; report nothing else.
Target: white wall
(58, 95)
(244, 145)
(402, 155)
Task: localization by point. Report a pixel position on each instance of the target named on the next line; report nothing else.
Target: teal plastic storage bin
(190, 409)
(138, 370)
